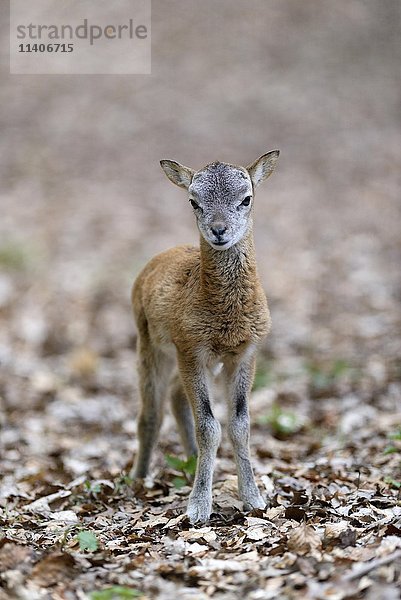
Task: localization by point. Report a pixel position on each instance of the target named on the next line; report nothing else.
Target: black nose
(219, 229)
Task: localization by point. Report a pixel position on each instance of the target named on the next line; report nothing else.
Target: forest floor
(84, 205)
(326, 439)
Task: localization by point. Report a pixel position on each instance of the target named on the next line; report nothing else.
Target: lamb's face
(221, 196)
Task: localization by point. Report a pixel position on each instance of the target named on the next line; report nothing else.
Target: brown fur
(202, 298)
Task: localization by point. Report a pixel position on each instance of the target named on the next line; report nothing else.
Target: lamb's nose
(218, 229)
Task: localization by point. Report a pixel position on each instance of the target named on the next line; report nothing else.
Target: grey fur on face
(219, 191)
(221, 196)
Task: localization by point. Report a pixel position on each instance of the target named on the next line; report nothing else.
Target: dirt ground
(84, 205)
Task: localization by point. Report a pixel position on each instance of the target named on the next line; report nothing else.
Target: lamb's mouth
(220, 244)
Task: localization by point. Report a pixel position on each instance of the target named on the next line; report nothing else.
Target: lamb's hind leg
(153, 376)
(239, 378)
(183, 415)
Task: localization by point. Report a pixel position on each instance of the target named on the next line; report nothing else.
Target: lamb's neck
(229, 277)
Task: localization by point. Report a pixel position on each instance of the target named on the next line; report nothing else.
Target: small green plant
(87, 541)
(93, 487)
(396, 435)
(99, 486)
(122, 481)
(186, 467)
(67, 534)
(282, 422)
(392, 448)
(393, 482)
(117, 592)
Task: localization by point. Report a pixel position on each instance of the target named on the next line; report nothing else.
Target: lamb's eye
(246, 201)
(195, 206)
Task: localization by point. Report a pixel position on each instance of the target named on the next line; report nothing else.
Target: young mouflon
(198, 308)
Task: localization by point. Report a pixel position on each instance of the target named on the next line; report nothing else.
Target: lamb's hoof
(199, 511)
(254, 502)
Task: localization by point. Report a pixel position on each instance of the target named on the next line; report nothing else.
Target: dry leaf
(333, 530)
(67, 517)
(303, 539)
(204, 533)
(195, 548)
(13, 556)
(268, 484)
(41, 505)
(53, 569)
(225, 500)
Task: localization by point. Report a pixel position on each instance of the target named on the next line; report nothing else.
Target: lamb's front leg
(208, 433)
(239, 378)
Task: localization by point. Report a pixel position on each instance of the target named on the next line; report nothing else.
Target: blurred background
(84, 204)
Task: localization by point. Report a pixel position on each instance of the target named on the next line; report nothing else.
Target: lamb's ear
(178, 174)
(263, 167)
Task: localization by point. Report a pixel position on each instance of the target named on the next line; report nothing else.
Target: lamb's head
(221, 196)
